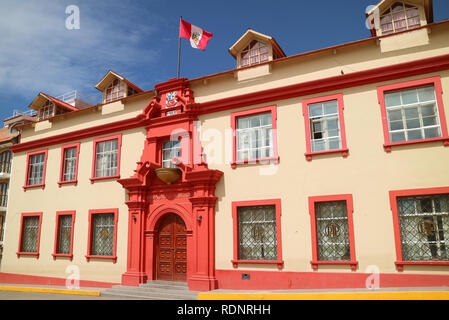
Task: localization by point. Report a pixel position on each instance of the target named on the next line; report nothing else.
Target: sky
(139, 39)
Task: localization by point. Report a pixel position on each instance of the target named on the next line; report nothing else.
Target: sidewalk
(50, 289)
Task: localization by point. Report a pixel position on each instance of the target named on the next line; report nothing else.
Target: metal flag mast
(179, 45)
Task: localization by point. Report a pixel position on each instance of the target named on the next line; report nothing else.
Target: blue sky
(139, 39)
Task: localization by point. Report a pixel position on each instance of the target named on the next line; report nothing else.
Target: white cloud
(38, 53)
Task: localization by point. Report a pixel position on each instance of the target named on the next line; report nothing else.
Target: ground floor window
(102, 234)
(64, 234)
(30, 234)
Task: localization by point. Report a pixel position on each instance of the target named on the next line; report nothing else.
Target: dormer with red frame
(396, 16)
(254, 48)
(116, 87)
(48, 106)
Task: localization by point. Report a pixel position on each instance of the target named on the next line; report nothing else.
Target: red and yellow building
(308, 171)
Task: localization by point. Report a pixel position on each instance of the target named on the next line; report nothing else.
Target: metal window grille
(36, 169)
(69, 164)
(257, 233)
(424, 227)
(332, 231)
(413, 114)
(30, 234)
(324, 126)
(5, 162)
(399, 17)
(102, 234)
(170, 150)
(65, 234)
(106, 158)
(254, 137)
(4, 194)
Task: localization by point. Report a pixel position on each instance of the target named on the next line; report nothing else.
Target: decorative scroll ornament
(104, 233)
(332, 230)
(66, 234)
(426, 227)
(257, 233)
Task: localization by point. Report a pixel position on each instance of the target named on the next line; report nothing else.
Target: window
(115, 91)
(5, 162)
(421, 224)
(257, 232)
(413, 112)
(30, 230)
(2, 226)
(170, 150)
(256, 52)
(106, 161)
(131, 91)
(399, 17)
(332, 230)
(324, 124)
(4, 186)
(69, 164)
(64, 234)
(255, 135)
(102, 234)
(47, 110)
(36, 167)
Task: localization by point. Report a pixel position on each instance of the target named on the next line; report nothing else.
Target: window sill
(275, 160)
(315, 264)
(55, 255)
(75, 182)
(36, 254)
(280, 263)
(92, 180)
(309, 155)
(113, 258)
(34, 186)
(388, 146)
(400, 264)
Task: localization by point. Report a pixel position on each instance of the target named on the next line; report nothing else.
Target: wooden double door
(171, 249)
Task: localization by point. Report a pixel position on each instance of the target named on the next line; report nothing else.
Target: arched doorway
(171, 249)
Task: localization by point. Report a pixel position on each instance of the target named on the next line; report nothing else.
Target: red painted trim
(305, 111)
(40, 280)
(94, 158)
(397, 233)
(235, 205)
(235, 115)
(350, 207)
(42, 185)
(61, 172)
(436, 82)
(55, 251)
(273, 280)
(89, 237)
(19, 250)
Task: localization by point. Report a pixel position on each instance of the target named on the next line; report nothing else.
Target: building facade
(320, 170)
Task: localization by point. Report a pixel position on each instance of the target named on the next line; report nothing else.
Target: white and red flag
(197, 36)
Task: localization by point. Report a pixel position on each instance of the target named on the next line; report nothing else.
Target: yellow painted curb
(51, 290)
(327, 296)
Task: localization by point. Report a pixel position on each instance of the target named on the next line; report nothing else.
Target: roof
(43, 97)
(111, 76)
(250, 35)
(5, 136)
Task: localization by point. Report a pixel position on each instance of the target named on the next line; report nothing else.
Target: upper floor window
(256, 52)
(115, 91)
(47, 110)
(69, 163)
(106, 158)
(36, 165)
(4, 187)
(170, 150)
(5, 162)
(400, 17)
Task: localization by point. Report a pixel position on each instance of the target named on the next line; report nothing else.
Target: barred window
(424, 227)
(170, 150)
(30, 234)
(65, 234)
(102, 234)
(257, 233)
(69, 169)
(332, 231)
(4, 194)
(36, 169)
(324, 126)
(413, 114)
(399, 17)
(106, 158)
(254, 136)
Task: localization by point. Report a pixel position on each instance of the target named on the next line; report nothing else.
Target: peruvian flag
(197, 36)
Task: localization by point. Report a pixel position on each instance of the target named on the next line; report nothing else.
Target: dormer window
(49, 110)
(256, 52)
(115, 91)
(400, 17)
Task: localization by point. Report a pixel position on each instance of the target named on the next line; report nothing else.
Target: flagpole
(179, 46)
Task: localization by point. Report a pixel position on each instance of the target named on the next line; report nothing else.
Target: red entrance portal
(171, 249)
